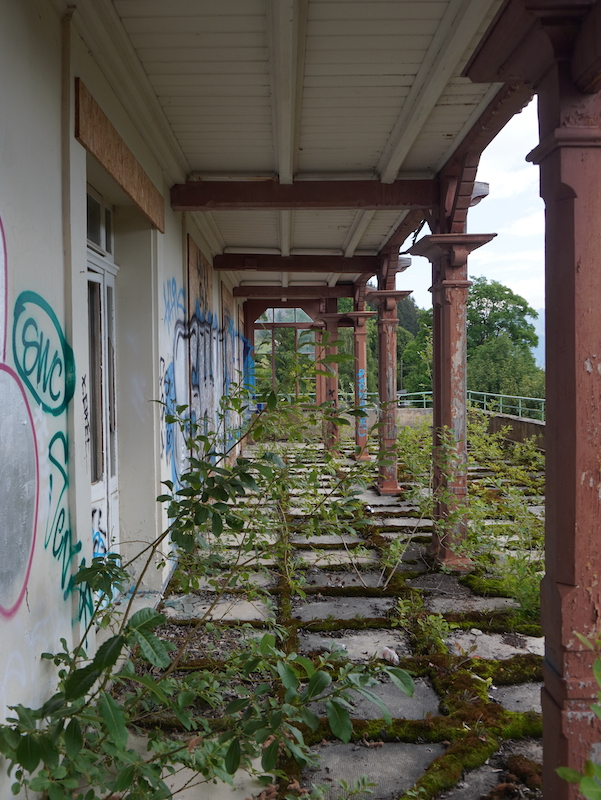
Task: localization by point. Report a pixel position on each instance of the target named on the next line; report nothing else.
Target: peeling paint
(588, 365)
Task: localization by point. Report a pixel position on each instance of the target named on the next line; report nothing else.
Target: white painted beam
(460, 23)
(287, 22)
(356, 231)
(286, 219)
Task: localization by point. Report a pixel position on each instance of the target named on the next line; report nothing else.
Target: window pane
(108, 230)
(94, 221)
(95, 380)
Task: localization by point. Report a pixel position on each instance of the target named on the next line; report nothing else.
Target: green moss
(495, 622)
(485, 587)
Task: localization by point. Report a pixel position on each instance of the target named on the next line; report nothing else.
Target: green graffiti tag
(42, 356)
(59, 534)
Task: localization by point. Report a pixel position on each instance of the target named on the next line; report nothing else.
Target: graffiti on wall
(34, 455)
(203, 337)
(362, 395)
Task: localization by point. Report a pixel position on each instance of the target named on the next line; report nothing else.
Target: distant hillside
(539, 352)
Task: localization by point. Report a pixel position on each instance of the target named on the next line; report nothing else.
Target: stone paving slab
(481, 781)
(328, 538)
(359, 647)
(494, 646)
(460, 605)
(264, 579)
(402, 522)
(328, 558)
(343, 608)
(423, 703)
(316, 576)
(227, 609)
(394, 767)
(522, 697)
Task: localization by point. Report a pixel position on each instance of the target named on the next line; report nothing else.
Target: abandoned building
(172, 170)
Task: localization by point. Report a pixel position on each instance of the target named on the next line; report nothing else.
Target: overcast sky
(513, 210)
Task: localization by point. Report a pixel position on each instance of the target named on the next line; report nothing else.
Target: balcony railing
(527, 407)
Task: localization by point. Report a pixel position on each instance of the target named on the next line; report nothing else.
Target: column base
(455, 563)
(363, 456)
(388, 487)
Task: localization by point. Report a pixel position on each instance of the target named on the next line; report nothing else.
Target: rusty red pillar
(385, 301)
(360, 348)
(569, 156)
(331, 432)
(320, 380)
(448, 254)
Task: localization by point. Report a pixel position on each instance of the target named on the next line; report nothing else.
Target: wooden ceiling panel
(253, 229)
(319, 229)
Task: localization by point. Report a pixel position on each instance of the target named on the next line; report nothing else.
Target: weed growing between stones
(227, 514)
(505, 538)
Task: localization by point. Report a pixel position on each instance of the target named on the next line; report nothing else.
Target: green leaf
(56, 702)
(28, 752)
(269, 759)
(590, 788)
(317, 684)
(267, 644)
(108, 653)
(216, 524)
(340, 720)
(114, 719)
(373, 698)
(297, 753)
(309, 718)
(597, 671)
(307, 665)
(125, 778)
(568, 774)
(185, 698)
(236, 705)
(73, 739)
(49, 752)
(232, 757)
(152, 647)
(81, 681)
(287, 675)
(272, 401)
(145, 618)
(401, 679)
(150, 683)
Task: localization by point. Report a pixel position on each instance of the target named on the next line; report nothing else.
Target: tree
(493, 310)
(500, 366)
(417, 356)
(408, 315)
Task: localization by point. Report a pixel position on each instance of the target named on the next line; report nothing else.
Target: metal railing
(527, 407)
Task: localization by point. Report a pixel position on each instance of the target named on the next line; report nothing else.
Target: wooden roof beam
(271, 195)
(368, 265)
(310, 292)
(459, 25)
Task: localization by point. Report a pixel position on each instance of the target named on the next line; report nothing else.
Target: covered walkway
(172, 170)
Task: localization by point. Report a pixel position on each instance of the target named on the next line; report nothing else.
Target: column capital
(386, 299)
(359, 319)
(454, 246)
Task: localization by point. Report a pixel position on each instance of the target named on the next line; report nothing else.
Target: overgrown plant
(504, 538)
(589, 781)
(80, 743)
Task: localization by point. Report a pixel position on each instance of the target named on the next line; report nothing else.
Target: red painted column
(331, 433)
(569, 156)
(320, 380)
(385, 301)
(360, 343)
(448, 254)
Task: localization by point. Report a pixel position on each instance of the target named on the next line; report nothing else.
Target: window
(99, 223)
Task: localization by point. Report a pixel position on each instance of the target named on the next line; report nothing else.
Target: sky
(513, 210)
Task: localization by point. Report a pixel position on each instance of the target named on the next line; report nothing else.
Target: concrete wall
(413, 417)
(45, 477)
(520, 429)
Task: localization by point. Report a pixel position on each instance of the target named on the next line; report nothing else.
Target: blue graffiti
(174, 303)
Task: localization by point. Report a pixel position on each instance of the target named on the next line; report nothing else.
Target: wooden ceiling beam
(271, 195)
(368, 265)
(310, 292)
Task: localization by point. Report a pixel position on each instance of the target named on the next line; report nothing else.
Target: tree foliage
(493, 310)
